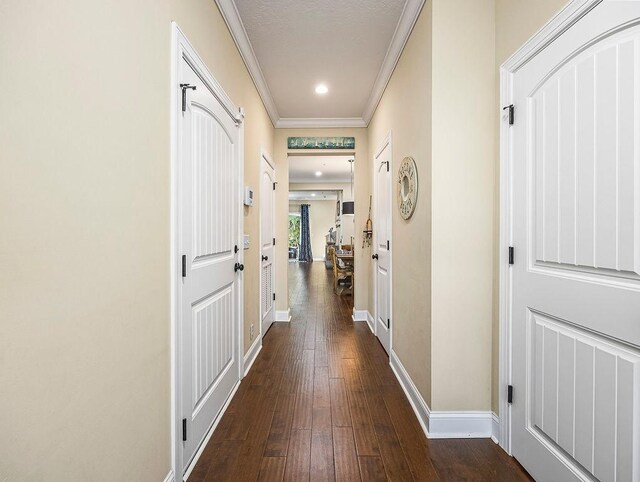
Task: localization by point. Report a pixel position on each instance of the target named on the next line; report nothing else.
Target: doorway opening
(321, 216)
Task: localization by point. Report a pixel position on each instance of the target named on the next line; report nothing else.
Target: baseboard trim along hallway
(251, 355)
(284, 315)
(444, 424)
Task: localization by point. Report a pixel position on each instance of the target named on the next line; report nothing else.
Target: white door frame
(265, 157)
(566, 18)
(388, 141)
(181, 48)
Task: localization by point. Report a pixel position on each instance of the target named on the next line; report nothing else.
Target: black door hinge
(388, 245)
(388, 322)
(274, 297)
(184, 429)
(235, 249)
(184, 88)
(274, 241)
(509, 393)
(511, 254)
(184, 265)
(511, 113)
(388, 162)
(274, 186)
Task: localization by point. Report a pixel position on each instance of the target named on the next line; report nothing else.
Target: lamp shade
(348, 207)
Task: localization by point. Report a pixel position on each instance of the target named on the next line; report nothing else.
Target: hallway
(321, 403)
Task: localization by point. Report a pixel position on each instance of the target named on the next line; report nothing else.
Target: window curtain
(305, 235)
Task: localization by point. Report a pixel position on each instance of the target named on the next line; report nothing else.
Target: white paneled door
(576, 233)
(382, 239)
(267, 251)
(208, 227)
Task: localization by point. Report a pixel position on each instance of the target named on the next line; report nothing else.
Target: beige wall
(322, 216)
(84, 217)
(362, 176)
(516, 22)
(405, 110)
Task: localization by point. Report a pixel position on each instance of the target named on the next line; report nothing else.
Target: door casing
(182, 48)
(564, 20)
(265, 158)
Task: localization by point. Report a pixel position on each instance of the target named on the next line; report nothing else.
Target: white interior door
(208, 227)
(267, 266)
(576, 233)
(382, 240)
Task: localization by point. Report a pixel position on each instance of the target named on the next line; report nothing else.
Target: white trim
(182, 48)
(408, 19)
(420, 407)
(370, 322)
(467, 424)
(359, 315)
(169, 477)
(266, 158)
(251, 355)
(318, 122)
(284, 315)
(319, 259)
(210, 432)
(495, 428)
(562, 21)
(236, 28)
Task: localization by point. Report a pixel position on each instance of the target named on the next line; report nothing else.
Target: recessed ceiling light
(318, 173)
(321, 89)
(313, 194)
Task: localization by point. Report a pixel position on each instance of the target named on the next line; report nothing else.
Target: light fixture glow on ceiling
(313, 194)
(318, 173)
(321, 89)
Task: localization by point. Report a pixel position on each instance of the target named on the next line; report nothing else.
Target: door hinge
(184, 429)
(388, 162)
(511, 254)
(274, 186)
(511, 110)
(274, 241)
(388, 322)
(388, 244)
(274, 297)
(509, 393)
(184, 88)
(184, 265)
(235, 249)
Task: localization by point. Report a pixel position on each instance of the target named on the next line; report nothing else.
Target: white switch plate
(245, 241)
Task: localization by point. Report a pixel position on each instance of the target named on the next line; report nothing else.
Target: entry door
(576, 233)
(267, 267)
(208, 233)
(382, 237)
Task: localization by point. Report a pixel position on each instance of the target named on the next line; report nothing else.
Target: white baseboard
(418, 404)
(210, 432)
(251, 355)
(359, 315)
(319, 259)
(468, 424)
(284, 315)
(495, 428)
(370, 323)
(442, 424)
(169, 477)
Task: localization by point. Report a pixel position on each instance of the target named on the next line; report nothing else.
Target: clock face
(407, 187)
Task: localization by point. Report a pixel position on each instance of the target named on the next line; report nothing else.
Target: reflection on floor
(321, 403)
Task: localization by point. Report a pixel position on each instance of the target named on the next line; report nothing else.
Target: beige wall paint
(405, 109)
(516, 22)
(322, 216)
(84, 296)
(362, 177)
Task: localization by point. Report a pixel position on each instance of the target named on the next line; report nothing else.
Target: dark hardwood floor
(321, 403)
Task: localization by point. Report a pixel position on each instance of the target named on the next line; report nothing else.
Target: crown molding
(236, 27)
(407, 20)
(319, 122)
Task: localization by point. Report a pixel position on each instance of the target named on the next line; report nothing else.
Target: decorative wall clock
(407, 187)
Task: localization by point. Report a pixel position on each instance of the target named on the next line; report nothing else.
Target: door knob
(238, 267)
(374, 256)
(265, 258)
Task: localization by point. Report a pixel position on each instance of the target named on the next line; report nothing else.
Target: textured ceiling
(302, 169)
(300, 43)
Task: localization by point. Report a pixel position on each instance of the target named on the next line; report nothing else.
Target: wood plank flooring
(322, 404)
